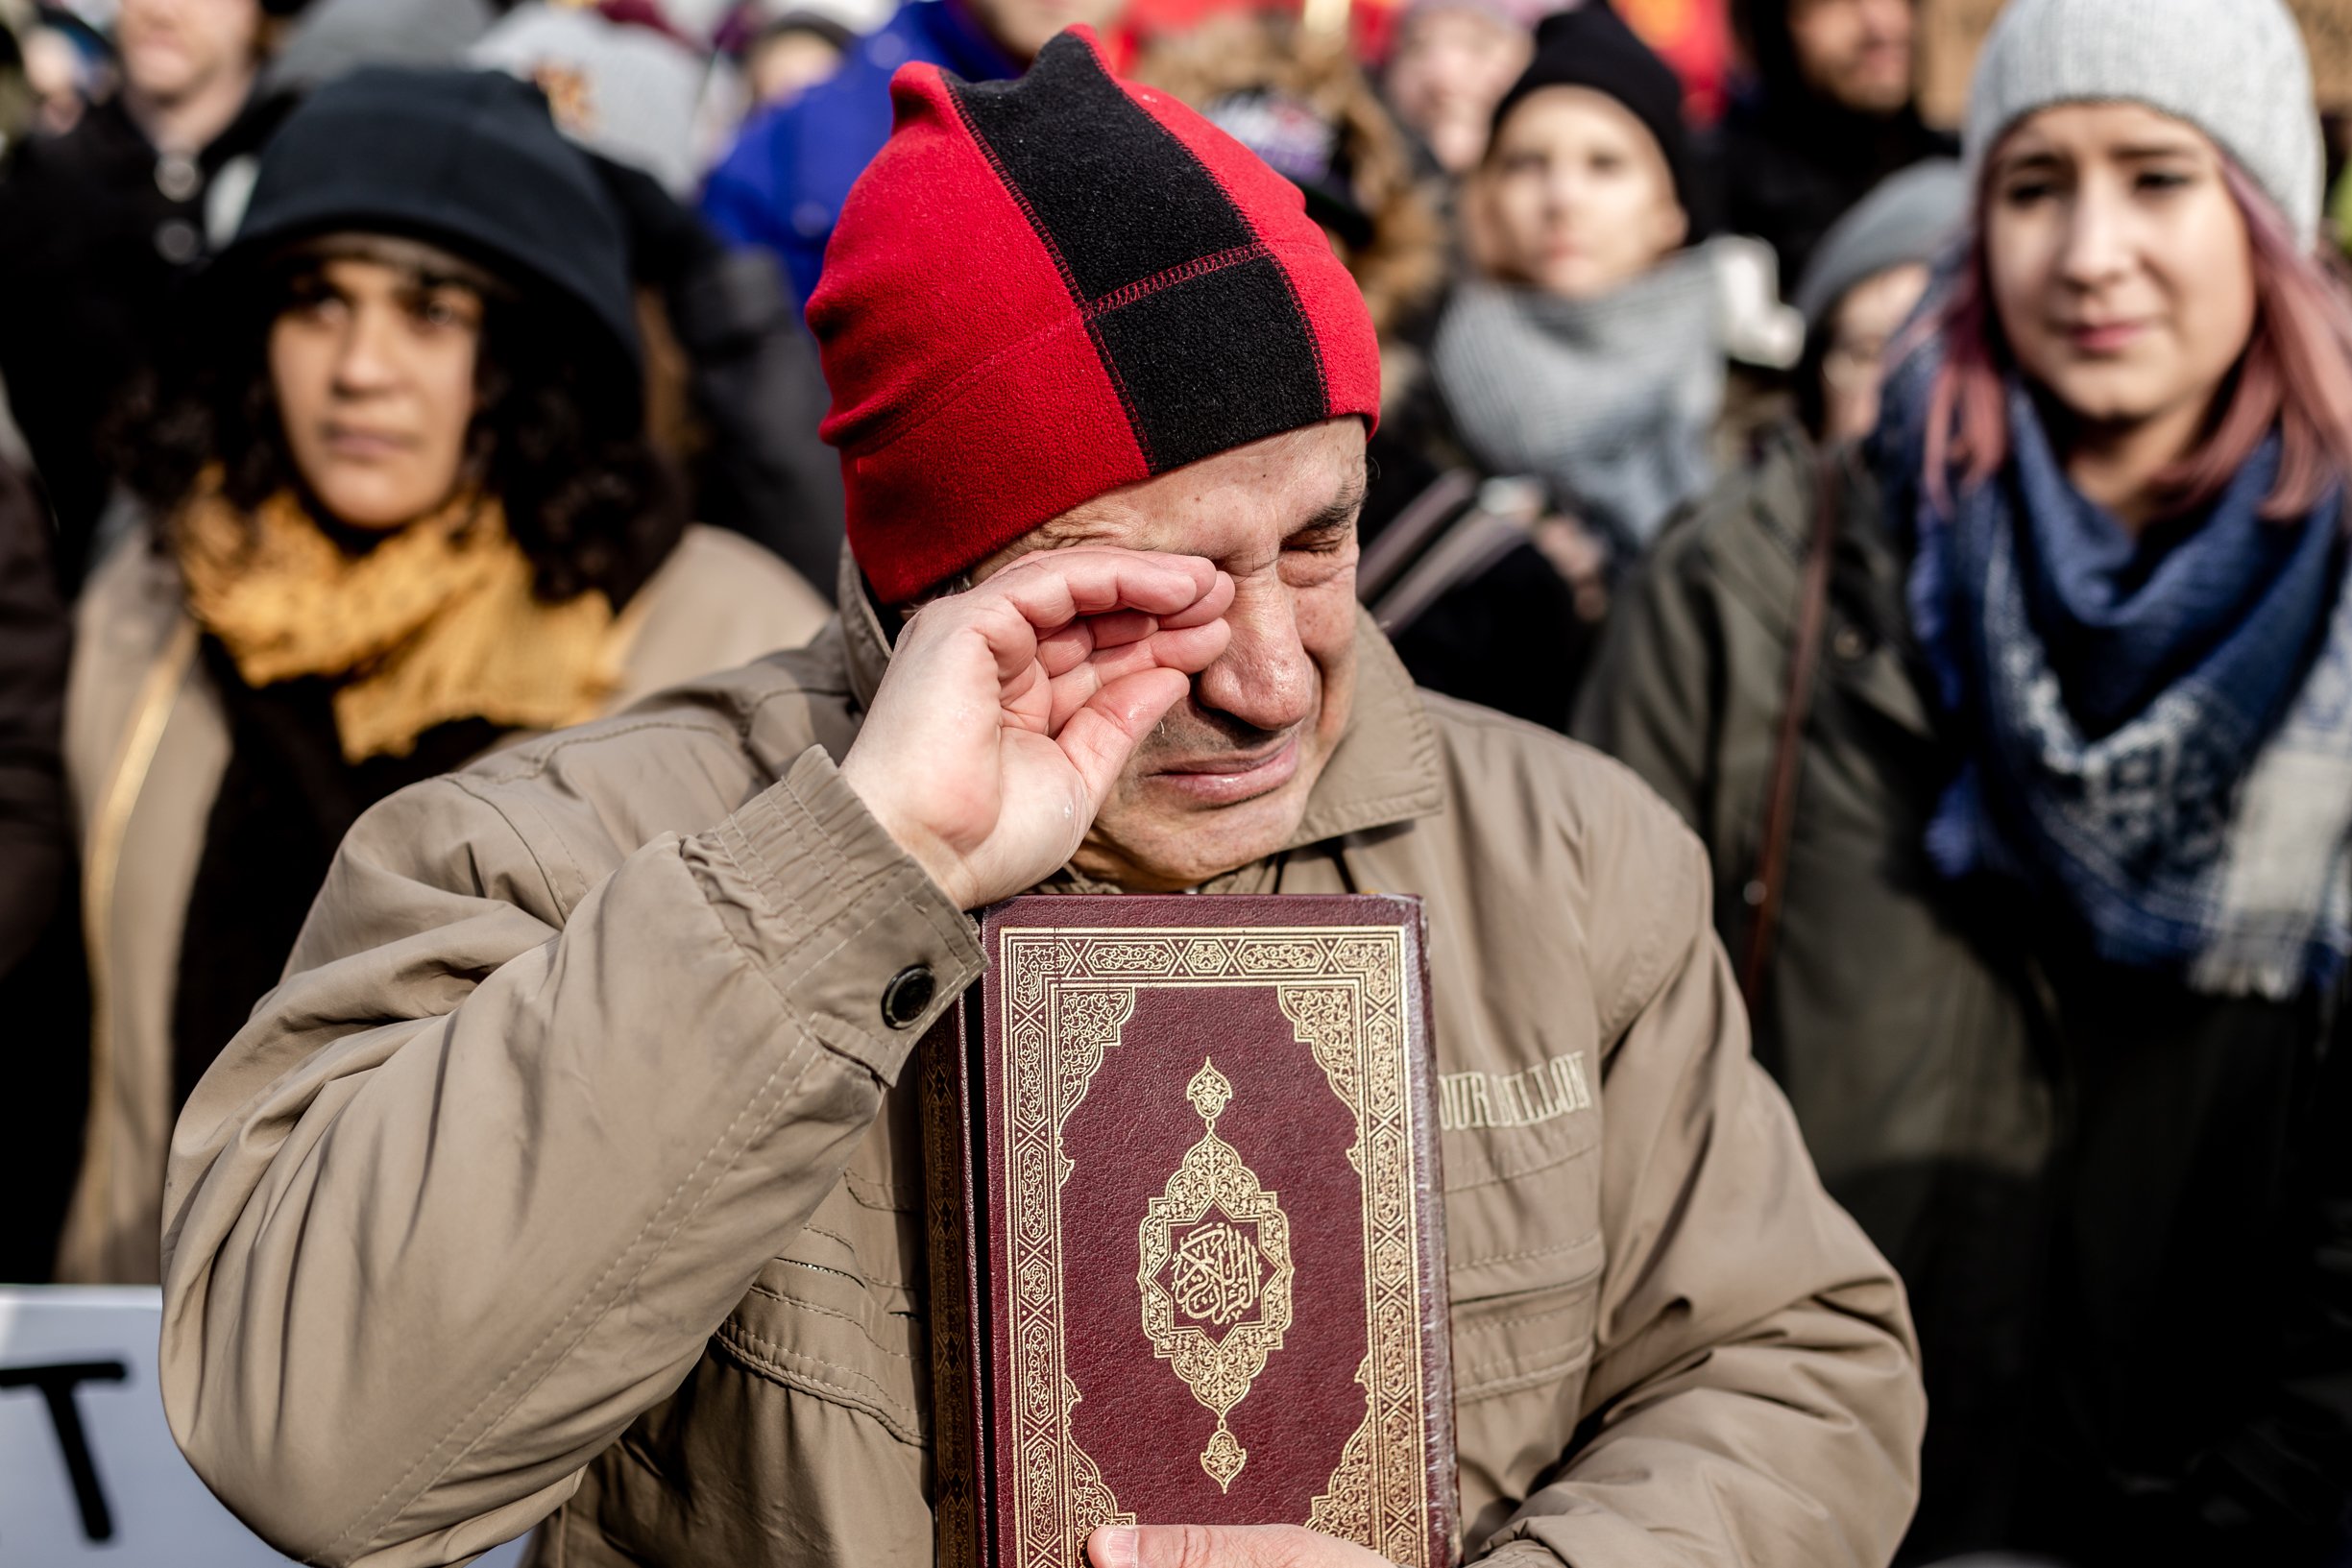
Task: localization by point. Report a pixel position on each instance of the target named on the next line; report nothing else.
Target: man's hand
(1224, 1546)
(1008, 710)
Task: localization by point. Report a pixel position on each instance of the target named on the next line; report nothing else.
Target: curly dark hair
(559, 436)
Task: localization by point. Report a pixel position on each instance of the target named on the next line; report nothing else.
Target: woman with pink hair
(2021, 734)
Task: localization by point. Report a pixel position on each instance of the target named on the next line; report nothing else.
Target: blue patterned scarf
(2159, 730)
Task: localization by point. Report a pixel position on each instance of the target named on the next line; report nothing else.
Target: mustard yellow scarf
(436, 622)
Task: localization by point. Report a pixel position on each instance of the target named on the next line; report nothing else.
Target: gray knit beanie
(1907, 217)
(2233, 68)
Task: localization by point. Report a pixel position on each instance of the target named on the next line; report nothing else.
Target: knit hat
(464, 159)
(1590, 46)
(334, 37)
(1041, 290)
(2235, 70)
(1908, 218)
(627, 91)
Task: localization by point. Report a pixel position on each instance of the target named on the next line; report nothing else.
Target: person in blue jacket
(782, 184)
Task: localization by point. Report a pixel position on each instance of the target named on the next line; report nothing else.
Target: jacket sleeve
(35, 643)
(1654, 697)
(481, 1176)
(1754, 1394)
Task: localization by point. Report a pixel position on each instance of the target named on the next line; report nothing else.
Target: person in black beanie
(400, 507)
(1584, 365)
(1588, 355)
(1590, 46)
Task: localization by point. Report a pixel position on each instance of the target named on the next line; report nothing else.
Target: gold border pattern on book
(1068, 992)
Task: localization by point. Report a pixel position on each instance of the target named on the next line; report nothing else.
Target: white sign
(89, 1470)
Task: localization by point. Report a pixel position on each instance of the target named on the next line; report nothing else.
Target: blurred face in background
(1025, 26)
(177, 49)
(1451, 66)
(1857, 52)
(1853, 366)
(784, 65)
(2120, 265)
(1574, 197)
(372, 360)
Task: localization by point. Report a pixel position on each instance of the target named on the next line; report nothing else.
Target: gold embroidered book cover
(1186, 1241)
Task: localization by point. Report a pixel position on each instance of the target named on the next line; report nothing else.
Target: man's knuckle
(1196, 1547)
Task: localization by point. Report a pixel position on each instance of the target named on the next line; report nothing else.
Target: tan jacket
(146, 742)
(573, 1169)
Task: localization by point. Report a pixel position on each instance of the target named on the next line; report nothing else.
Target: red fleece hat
(1041, 290)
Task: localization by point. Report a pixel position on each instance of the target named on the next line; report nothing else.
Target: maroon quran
(1186, 1244)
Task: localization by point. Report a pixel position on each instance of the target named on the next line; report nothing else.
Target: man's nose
(1264, 677)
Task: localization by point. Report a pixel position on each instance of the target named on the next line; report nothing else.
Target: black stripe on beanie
(1195, 319)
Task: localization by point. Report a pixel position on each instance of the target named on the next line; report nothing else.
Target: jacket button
(1849, 643)
(908, 993)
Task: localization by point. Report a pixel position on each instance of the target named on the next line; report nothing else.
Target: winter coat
(1789, 166)
(584, 1063)
(40, 964)
(100, 230)
(751, 376)
(35, 643)
(2123, 1211)
(755, 384)
(147, 741)
(783, 184)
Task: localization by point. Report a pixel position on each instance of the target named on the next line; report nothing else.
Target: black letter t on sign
(56, 1384)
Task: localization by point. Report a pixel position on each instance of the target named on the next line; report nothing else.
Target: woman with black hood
(402, 508)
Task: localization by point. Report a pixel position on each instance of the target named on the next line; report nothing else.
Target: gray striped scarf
(1609, 401)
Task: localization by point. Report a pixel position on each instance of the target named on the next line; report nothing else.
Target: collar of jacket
(1384, 770)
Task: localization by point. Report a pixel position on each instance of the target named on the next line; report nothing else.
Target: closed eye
(1328, 540)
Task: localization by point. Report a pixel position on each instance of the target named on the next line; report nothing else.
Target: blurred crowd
(386, 379)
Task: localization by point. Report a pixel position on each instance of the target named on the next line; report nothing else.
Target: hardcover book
(1187, 1256)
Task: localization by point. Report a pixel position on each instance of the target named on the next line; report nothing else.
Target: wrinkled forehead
(1234, 508)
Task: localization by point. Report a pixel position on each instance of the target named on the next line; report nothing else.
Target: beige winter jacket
(145, 745)
(573, 1168)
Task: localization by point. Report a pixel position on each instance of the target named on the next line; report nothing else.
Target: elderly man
(574, 1170)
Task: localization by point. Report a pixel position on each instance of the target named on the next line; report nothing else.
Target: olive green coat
(1888, 1019)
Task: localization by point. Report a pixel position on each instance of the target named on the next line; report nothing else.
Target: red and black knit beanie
(1043, 289)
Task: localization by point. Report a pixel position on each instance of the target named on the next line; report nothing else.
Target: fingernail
(1114, 1546)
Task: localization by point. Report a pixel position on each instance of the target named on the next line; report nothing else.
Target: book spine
(959, 1518)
